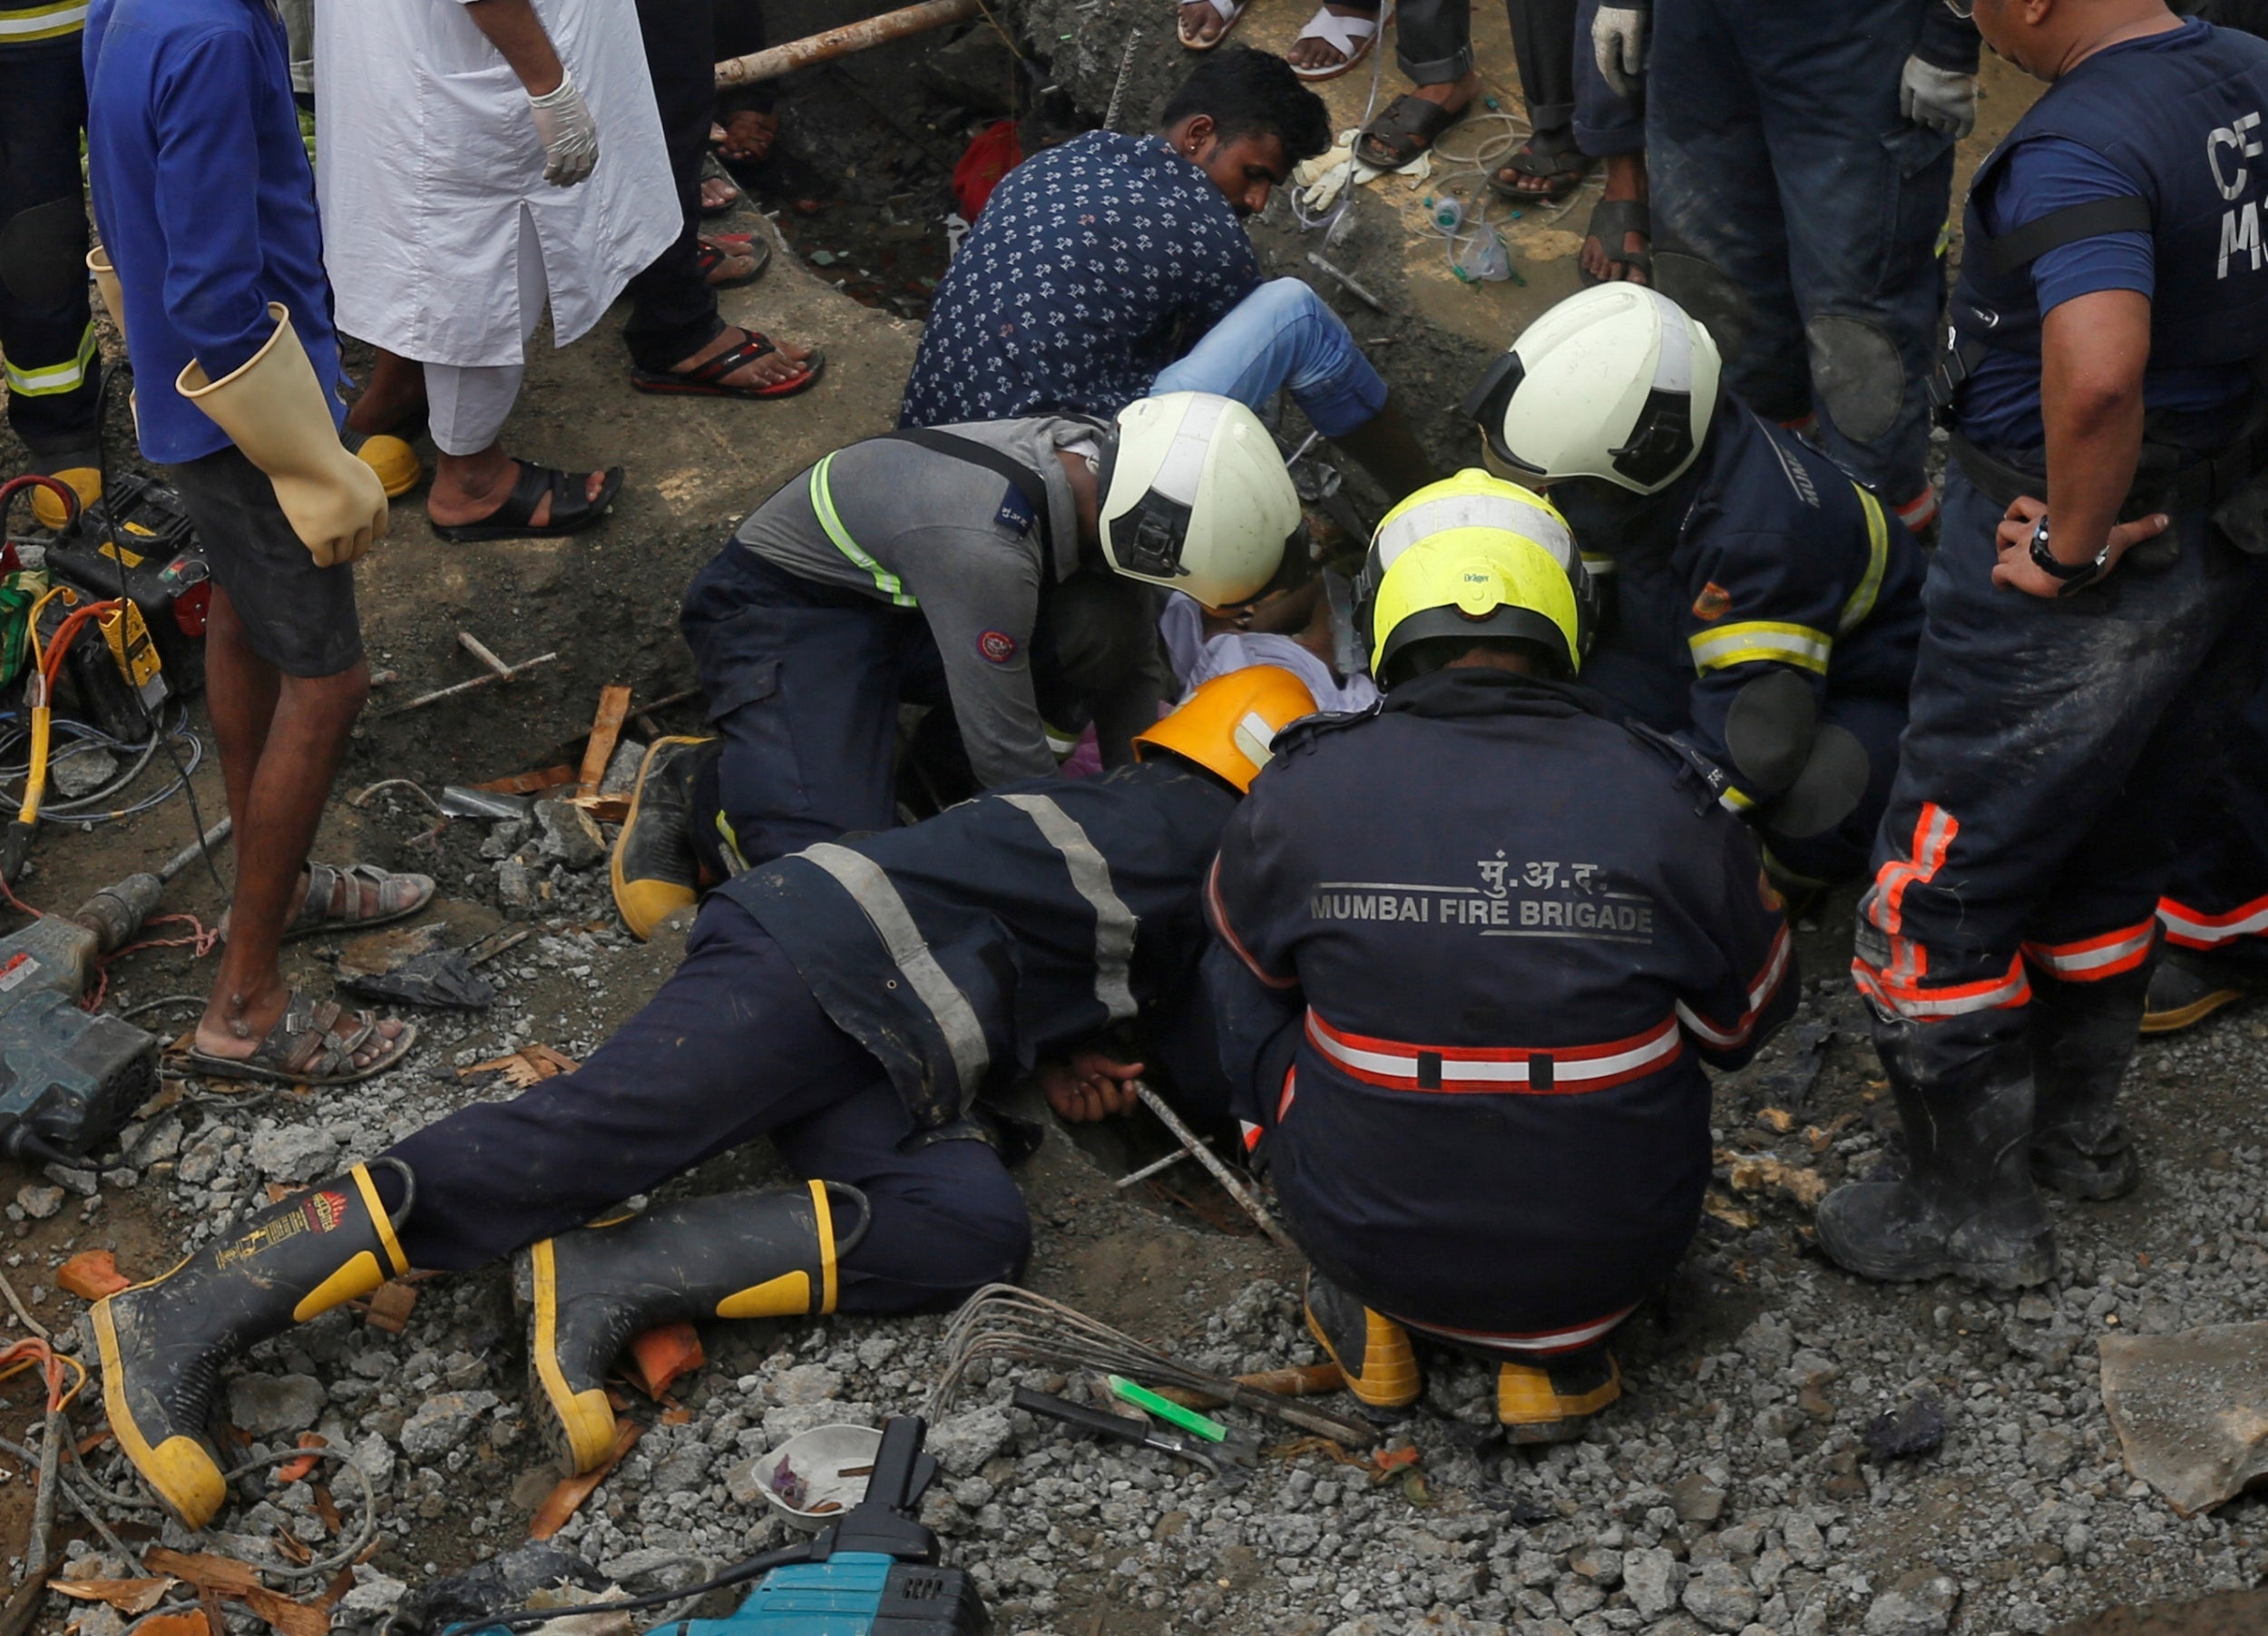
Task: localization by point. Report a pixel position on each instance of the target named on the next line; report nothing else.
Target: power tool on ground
(69, 1079)
(875, 1572)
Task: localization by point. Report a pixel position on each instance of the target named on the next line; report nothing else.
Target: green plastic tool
(1166, 1409)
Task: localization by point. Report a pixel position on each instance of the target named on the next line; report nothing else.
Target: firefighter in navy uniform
(850, 1001)
(1476, 944)
(2077, 669)
(1762, 607)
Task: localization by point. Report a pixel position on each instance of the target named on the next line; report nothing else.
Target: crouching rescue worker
(1759, 605)
(2093, 630)
(1003, 570)
(1485, 937)
(850, 1001)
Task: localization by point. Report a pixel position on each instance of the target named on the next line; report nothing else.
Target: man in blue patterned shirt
(1116, 265)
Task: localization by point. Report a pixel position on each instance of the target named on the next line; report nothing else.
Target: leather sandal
(312, 1043)
(1612, 221)
(1554, 160)
(572, 511)
(707, 378)
(398, 896)
(1409, 126)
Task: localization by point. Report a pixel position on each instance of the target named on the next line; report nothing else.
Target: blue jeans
(1282, 335)
(1607, 124)
(1797, 213)
(731, 1048)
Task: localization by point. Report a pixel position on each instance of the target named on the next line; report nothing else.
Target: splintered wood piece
(91, 1275)
(529, 783)
(390, 1305)
(660, 1355)
(293, 1471)
(132, 1597)
(565, 1500)
(606, 731)
(525, 1066)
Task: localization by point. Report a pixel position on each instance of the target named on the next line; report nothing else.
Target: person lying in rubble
(1004, 572)
(1116, 265)
(850, 1001)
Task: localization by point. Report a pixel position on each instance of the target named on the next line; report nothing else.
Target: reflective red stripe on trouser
(1512, 1070)
(2092, 959)
(1538, 1343)
(2194, 929)
(1900, 985)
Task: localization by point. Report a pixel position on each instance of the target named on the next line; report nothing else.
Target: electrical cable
(739, 1573)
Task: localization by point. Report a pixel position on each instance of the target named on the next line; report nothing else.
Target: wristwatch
(2069, 576)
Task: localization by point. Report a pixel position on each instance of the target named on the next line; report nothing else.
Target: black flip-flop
(707, 378)
(571, 513)
(715, 251)
(1562, 164)
(1612, 221)
(1411, 126)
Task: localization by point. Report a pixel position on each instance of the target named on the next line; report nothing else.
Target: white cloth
(1197, 658)
(467, 405)
(429, 159)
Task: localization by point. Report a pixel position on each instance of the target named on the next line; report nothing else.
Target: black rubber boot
(1966, 1205)
(733, 1255)
(2082, 1036)
(653, 870)
(1549, 1401)
(2188, 987)
(162, 1343)
(1371, 1350)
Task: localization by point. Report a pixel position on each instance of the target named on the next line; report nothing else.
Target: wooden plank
(606, 731)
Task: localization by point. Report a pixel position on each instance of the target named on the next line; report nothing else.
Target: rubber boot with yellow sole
(1547, 1402)
(162, 1343)
(2187, 988)
(1371, 1350)
(733, 1255)
(653, 870)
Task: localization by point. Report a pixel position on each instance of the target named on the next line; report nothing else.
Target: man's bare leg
(281, 738)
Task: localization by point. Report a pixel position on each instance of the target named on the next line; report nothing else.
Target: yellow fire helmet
(1469, 507)
(1471, 586)
(1229, 726)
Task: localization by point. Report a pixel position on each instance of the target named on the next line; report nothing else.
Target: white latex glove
(570, 137)
(1618, 42)
(1936, 99)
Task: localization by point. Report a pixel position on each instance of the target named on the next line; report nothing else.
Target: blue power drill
(875, 1572)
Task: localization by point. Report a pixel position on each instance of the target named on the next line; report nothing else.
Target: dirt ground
(865, 145)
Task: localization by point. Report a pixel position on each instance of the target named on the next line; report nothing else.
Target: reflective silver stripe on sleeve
(1091, 876)
(871, 891)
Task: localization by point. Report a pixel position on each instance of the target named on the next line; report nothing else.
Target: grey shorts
(297, 617)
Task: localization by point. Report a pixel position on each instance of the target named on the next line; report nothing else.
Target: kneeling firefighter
(1761, 606)
(1478, 1088)
(1006, 572)
(850, 1001)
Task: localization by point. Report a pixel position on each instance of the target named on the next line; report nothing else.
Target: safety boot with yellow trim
(653, 870)
(162, 1343)
(1547, 1402)
(2187, 988)
(1371, 1350)
(734, 1255)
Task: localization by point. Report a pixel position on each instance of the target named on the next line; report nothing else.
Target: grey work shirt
(957, 539)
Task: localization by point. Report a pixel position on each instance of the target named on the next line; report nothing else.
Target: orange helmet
(1228, 724)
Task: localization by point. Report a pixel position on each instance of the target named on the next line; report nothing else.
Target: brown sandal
(398, 897)
(312, 1043)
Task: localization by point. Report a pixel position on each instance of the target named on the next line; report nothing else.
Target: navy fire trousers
(732, 1048)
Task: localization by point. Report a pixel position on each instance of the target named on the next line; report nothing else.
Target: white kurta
(427, 163)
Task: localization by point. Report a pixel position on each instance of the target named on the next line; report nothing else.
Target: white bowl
(818, 1456)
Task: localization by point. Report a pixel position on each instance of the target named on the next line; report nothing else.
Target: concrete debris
(568, 835)
(2191, 1410)
(442, 1422)
(39, 1203)
(1919, 1605)
(292, 1152)
(1914, 1428)
(264, 1405)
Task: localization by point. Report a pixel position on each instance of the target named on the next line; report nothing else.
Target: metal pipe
(775, 61)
